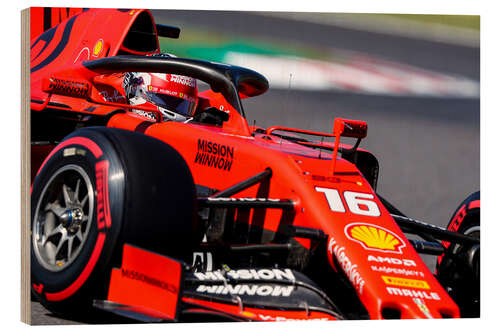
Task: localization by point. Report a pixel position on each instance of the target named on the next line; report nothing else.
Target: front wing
(154, 288)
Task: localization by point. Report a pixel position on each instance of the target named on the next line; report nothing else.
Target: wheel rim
(63, 218)
(473, 231)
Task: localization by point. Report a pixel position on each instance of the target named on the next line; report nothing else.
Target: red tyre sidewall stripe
(78, 140)
(474, 204)
(83, 276)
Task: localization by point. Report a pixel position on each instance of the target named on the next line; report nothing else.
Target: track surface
(428, 148)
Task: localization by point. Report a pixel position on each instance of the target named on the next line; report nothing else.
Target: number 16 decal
(357, 203)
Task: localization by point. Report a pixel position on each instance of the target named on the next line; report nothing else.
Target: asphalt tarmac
(427, 147)
(422, 53)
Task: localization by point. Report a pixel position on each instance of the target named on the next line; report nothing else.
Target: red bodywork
(363, 239)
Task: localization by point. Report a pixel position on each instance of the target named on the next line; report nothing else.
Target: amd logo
(394, 261)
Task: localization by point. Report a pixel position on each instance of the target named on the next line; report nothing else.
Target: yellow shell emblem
(99, 45)
(248, 314)
(373, 237)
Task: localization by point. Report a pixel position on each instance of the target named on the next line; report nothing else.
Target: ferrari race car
(213, 219)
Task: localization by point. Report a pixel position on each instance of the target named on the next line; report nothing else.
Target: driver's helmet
(175, 96)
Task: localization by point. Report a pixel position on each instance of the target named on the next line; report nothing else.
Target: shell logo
(98, 47)
(373, 237)
(248, 314)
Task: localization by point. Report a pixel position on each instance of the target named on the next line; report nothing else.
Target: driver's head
(175, 96)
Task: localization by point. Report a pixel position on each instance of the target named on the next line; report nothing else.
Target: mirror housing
(350, 128)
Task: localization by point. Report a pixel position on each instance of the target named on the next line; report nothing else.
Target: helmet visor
(179, 105)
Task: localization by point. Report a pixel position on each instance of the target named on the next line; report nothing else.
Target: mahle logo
(373, 237)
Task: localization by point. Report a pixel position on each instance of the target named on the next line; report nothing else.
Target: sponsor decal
(455, 223)
(247, 289)
(335, 180)
(373, 237)
(247, 274)
(146, 114)
(184, 80)
(242, 199)
(131, 274)
(38, 288)
(358, 203)
(160, 90)
(103, 212)
(202, 260)
(394, 261)
(395, 270)
(98, 47)
(279, 318)
(413, 293)
(67, 87)
(346, 264)
(214, 155)
(248, 314)
(73, 151)
(423, 307)
(403, 282)
(83, 55)
(115, 97)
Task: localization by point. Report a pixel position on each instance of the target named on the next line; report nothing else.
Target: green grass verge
(459, 21)
(210, 45)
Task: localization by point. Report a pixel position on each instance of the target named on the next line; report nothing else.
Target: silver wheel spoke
(63, 239)
(56, 230)
(49, 225)
(70, 245)
(57, 209)
(67, 199)
(79, 235)
(75, 196)
(84, 200)
(51, 253)
(43, 240)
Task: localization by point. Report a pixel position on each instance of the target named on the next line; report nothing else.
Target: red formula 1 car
(213, 219)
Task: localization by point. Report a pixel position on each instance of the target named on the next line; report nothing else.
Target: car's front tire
(458, 268)
(98, 189)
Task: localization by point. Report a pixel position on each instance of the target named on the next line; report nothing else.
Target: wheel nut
(66, 218)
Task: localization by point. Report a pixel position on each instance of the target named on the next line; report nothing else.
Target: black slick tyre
(458, 268)
(98, 189)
